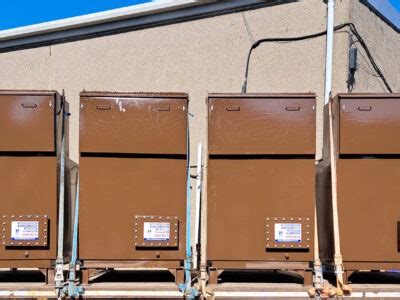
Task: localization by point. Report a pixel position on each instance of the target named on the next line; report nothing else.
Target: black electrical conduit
(311, 36)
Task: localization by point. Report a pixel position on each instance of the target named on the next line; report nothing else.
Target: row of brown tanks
(261, 181)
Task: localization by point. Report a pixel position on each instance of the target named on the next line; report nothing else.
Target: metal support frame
(73, 289)
(189, 291)
(199, 185)
(59, 268)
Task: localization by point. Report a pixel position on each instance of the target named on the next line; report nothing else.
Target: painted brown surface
(243, 193)
(142, 174)
(368, 201)
(369, 123)
(29, 187)
(30, 126)
(114, 190)
(236, 125)
(244, 190)
(27, 122)
(133, 123)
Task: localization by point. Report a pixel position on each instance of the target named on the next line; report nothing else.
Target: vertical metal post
(73, 290)
(199, 178)
(59, 276)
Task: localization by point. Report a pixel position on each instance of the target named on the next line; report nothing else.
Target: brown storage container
(261, 182)
(368, 172)
(31, 126)
(133, 167)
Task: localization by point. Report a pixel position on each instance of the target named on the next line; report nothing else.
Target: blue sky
(16, 13)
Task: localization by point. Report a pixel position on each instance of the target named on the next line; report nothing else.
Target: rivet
(267, 245)
(308, 225)
(151, 244)
(136, 217)
(308, 232)
(167, 218)
(143, 244)
(176, 244)
(152, 217)
(135, 230)
(176, 231)
(284, 246)
(45, 237)
(276, 246)
(45, 216)
(308, 219)
(159, 218)
(135, 244)
(4, 243)
(291, 246)
(159, 244)
(267, 225)
(167, 244)
(308, 246)
(283, 219)
(45, 230)
(176, 238)
(291, 219)
(135, 224)
(11, 243)
(267, 239)
(12, 216)
(299, 219)
(267, 232)
(308, 239)
(135, 236)
(176, 218)
(276, 219)
(267, 219)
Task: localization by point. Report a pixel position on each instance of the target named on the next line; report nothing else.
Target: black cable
(311, 36)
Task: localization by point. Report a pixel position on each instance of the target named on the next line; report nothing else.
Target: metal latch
(365, 108)
(292, 108)
(233, 108)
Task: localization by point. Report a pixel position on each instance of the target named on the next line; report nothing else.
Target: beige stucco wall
(384, 44)
(208, 55)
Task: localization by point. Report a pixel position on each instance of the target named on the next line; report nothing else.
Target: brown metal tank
(261, 183)
(31, 125)
(133, 172)
(367, 132)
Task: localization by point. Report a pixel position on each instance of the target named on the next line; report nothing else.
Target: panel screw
(27, 253)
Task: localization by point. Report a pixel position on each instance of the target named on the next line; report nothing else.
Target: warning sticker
(25, 230)
(288, 232)
(156, 231)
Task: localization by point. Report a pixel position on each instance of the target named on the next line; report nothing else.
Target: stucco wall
(384, 44)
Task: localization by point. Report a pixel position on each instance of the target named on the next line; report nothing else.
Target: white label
(156, 231)
(25, 230)
(288, 232)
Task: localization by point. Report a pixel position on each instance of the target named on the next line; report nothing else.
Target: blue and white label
(24, 230)
(156, 231)
(288, 232)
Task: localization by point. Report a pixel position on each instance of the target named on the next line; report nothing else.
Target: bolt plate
(24, 230)
(288, 233)
(156, 231)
